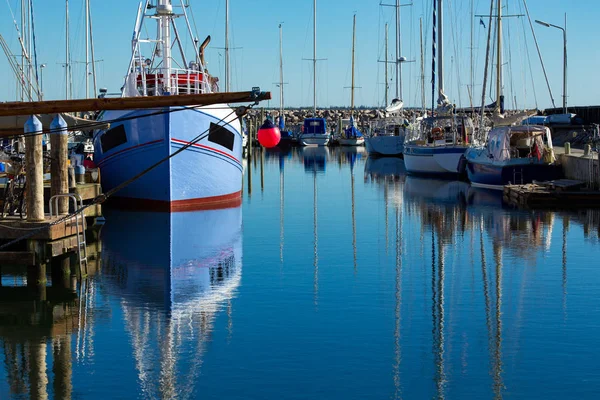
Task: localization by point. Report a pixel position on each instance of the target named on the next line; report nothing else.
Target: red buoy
(268, 134)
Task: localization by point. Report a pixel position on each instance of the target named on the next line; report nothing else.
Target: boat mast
(398, 49)
(422, 66)
(386, 67)
(471, 50)
(164, 11)
(67, 55)
(92, 51)
(499, 96)
(87, 49)
(353, 44)
(314, 58)
(281, 104)
(227, 82)
(23, 19)
(440, 49)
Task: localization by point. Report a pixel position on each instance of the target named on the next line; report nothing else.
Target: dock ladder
(77, 202)
(519, 173)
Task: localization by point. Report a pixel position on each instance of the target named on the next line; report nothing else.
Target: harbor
(341, 201)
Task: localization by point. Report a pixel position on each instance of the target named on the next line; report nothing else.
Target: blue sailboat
(314, 132)
(352, 136)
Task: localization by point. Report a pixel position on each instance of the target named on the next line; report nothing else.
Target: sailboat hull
(358, 141)
(433, 160)
(385, 145)
(204, 175)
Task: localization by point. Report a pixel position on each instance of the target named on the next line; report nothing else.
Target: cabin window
(220, 135)
(113, 137)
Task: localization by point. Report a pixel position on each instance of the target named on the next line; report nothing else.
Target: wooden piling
(58, 168)
(250, 139)
(61, 271)
(35, 169)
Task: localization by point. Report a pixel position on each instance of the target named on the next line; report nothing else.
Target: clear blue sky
(254, 29)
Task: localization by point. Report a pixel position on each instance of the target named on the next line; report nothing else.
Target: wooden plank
(59, 247)
(87, 191)
(22, 258)
(128, 103)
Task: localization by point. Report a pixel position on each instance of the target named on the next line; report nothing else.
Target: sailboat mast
(227, 83)
(92, 51)
(67, 56)
(398, 49)
(471, 51)
(353, 44)
(280, 71)
(422, 65)
(87, 50)
(387, 100)
(499, 96)
(314, 58)
(440, 48)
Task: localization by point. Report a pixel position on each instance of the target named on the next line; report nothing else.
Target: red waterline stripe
(199, 204)
(128, 149)
(207, 147)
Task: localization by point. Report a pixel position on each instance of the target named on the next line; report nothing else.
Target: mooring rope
(104, 196)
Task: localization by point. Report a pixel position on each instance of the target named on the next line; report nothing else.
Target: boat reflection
(315, 158)
(174, 273)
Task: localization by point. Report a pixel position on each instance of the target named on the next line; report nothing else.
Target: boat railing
(181, 81)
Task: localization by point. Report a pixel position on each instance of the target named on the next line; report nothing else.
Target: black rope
(103, 197)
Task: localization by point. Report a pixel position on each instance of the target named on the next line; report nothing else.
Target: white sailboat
(351, 135)
(442, 140)
(386, 135)
(314, 130)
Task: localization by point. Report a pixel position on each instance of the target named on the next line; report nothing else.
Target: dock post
(567, 148)
(61, 271)
(262, 170)
(58, 169)
(250, 138)
(35, 169)
(587, 150)
(340, 128)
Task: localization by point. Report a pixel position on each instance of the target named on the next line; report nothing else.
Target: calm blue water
(339, 278)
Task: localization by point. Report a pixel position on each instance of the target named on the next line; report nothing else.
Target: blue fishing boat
(208, 173)
(513, 154)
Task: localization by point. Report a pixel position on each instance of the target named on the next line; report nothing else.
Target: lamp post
(42, 80)
(564, 30)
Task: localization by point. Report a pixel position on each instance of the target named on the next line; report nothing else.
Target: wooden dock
(561, 194)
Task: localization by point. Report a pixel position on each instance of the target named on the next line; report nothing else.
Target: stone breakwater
(295, 117)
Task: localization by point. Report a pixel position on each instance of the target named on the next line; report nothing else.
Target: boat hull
(494, 176)
(358, 141)
(385, 145)
(314, 140)
(433, 160)
(204, 175)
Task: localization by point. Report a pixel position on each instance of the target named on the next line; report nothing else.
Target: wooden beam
(128, 103)
(20, 258)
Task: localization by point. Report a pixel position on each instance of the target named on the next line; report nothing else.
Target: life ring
(437, 133)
